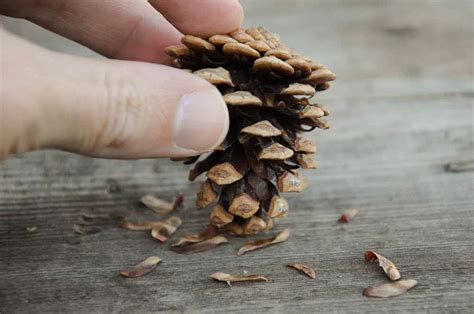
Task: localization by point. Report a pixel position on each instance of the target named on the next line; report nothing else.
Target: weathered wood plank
(402, 109)
(411, 210)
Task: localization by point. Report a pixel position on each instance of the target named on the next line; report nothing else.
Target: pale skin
(132, 105)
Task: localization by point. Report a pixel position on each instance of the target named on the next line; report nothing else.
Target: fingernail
(201, 121)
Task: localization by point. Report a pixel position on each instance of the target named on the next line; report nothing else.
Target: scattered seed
(209, 232)
(304, 268)
(348, 215)
(31, 229)
(140, 225)
(391, 289)
(163, 231)
(156, 204)
(237, 278)
(200, 246)
(258, 244)
(388, 266)
(161, 206)
(142, 268)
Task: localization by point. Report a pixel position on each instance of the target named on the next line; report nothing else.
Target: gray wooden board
(402, 109)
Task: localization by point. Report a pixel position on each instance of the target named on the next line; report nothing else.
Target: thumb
(105, 108)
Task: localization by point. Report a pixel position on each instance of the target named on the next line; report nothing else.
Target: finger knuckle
(124, 107)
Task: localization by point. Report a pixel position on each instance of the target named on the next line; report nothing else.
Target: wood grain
(401, 110)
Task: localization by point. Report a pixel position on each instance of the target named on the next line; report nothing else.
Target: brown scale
(267, 87)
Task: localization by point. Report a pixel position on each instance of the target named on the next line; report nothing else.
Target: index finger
(201, 17)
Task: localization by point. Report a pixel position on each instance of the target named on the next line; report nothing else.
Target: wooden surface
(402, 109)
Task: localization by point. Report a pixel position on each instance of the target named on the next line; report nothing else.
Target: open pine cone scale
(267, 87)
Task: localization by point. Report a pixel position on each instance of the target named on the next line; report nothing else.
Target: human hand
(110, 108)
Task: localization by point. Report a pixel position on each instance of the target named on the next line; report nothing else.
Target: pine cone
(266, 87)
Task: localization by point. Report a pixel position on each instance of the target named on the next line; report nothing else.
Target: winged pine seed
(165, 230)
(348, 215)
(219, 276)
(387, 265)
(203, 246)
(142, 268)
(391, 289)
(258, 244)
(209, 232)
(304, 268)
